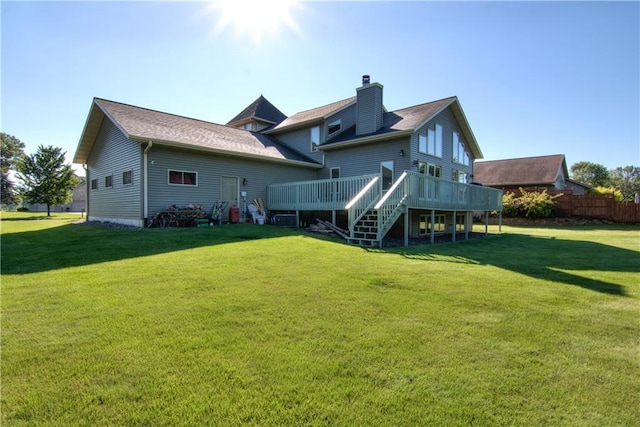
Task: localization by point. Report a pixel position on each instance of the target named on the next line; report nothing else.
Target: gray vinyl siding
(347, 117)
(113, 154)
(365, 159)
(300, 140)
(210, 169)
(449, 125)
(369, 109)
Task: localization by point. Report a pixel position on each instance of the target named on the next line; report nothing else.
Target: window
(335, 173)
(108, 181)
(431, 142)
(430, 169)
(127, 178)
(438, 141)
(460, 220)
(458, 176)
(460, 155)
(183, 178)
(94, 184)
(248, 126)
(422, 143)
(315, 138)
(334, 127)
(425, 224)
(386, 169)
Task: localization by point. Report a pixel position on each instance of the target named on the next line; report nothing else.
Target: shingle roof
(162, 128)
(541, 170)
(314, 114)
(260, 109)
(410, 119)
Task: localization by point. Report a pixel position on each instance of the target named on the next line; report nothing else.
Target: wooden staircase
(365, 231)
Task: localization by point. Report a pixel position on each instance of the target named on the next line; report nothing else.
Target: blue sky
(534, 78)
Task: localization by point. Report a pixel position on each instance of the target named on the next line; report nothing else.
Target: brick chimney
(368, 107)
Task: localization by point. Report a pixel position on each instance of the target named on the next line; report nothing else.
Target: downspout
(145, 190)
(87, 189)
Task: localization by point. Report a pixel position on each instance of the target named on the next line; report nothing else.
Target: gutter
(145, 195)
(365, 140)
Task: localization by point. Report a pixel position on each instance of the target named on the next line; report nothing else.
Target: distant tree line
(622, 182)
(44, 176)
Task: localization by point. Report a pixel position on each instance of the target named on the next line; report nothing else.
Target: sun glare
(255, 18)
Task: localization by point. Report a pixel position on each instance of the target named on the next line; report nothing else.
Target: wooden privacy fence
(596, 206)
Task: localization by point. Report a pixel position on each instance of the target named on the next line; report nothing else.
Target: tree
(46, 178)
(591, 174)
(11, 151)
(627, 180)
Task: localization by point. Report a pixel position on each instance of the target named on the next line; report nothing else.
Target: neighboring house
(366, 167)
(531, 173)
(78, 201)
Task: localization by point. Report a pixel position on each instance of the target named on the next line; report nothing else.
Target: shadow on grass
(544, 258)
(74, 245)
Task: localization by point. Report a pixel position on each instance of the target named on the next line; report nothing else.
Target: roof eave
(230, 153)
(365, 140)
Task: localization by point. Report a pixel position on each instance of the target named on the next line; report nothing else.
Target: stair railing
(363, 202)
(391, 205)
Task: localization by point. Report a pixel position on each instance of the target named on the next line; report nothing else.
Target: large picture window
(177, 177)
(431, 142)
(460, 155)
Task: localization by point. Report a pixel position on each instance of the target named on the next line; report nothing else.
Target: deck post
(500, 223)
(406, 226)
(297, 218)
(433, 226)
(453, 235)
(486, 222)
(466, 226)
(333, 217)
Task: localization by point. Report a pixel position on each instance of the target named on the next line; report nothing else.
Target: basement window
(127, 178)
(425, 224)
(177, 177)
(108, 181)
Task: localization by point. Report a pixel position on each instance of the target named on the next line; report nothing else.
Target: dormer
(369, 108)
(259, 115)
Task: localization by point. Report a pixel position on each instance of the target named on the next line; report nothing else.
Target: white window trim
(337, 122)
(314, 144)
(183, 172)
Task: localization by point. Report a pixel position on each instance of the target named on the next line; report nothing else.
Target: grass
(260, 325)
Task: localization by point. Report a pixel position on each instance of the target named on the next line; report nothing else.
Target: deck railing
(435, 193)
(324, 194)
(417, 191)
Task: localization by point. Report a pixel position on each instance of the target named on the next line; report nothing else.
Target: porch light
(401, 152)
(244, 181)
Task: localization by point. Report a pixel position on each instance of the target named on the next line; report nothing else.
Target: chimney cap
(366, 79)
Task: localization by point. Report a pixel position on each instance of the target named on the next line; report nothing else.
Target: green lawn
(260, 325)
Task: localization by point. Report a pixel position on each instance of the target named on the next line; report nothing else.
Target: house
(78, 201)
(367, 168)
(531, 173)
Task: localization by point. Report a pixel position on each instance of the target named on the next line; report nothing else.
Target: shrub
(534, 204)
(22, 209)
(509, 207)
(617, 194)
